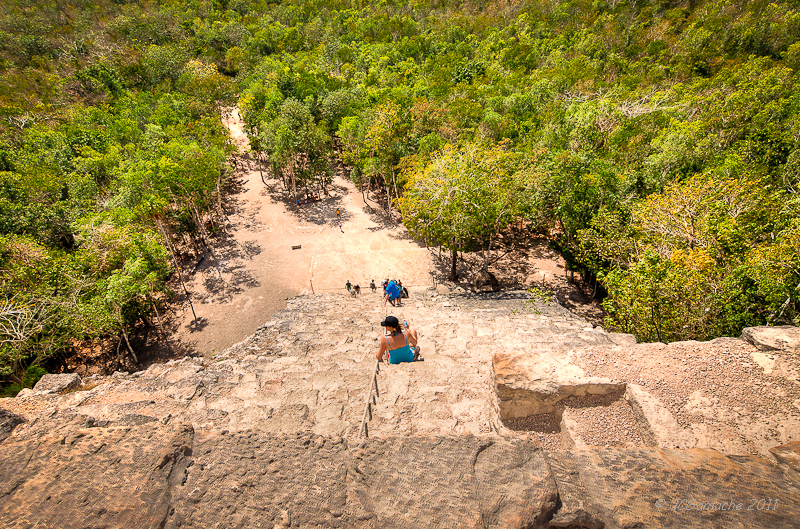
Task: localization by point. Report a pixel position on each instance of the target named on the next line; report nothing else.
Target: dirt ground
(270, 250)
(257, 266)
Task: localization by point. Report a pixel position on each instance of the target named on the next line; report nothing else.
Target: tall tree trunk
(388, 198)
(204, 237)
(177, 266)
(396, 193)
(16, 367)
(283, 179)
(260, 167)
(453, 275)
(125, 334)
(486, 253)
(219, 198)
(119, 358)
(158, 320)
(363, 196)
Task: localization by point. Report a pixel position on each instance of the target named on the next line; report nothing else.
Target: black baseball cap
(390, 321)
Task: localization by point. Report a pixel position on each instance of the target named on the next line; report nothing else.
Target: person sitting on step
(398, 345)
(403, 290)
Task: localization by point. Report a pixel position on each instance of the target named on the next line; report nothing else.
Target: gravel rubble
(722, 372)
(593, 420)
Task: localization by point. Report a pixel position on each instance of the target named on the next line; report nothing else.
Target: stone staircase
(497, 427)
(308, 369)
(325, 347)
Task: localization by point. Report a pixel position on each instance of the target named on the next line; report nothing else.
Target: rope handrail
(373, 383)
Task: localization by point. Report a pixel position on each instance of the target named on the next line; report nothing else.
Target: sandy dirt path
(258, 269)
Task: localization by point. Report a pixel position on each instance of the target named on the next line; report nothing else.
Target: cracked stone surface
(267, 434)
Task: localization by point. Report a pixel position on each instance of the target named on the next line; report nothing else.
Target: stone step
(308, 368)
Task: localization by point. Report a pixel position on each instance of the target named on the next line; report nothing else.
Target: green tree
(462, 198)
(385, 142)
(664, 300)
(298, 147)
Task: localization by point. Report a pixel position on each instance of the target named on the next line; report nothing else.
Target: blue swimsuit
(401, 354)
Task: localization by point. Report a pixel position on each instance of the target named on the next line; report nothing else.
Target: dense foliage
(112, 154)
(655, 141)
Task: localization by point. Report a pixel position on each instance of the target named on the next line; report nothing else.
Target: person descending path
(372, 286)
(392, 294)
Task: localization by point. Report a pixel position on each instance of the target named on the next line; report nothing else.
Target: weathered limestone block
(577, 508)
(87, 475)
(311, 481)
(151, 475)
(657, 426)
(650, 487)
(93, 477)
(56, 383)
(622, 339)
(266, 445)
(532, 383)
(786, 338)
(789, 455)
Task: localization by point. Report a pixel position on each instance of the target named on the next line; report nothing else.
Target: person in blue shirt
(392, 294)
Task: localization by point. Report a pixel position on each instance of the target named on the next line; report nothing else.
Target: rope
(373, 383)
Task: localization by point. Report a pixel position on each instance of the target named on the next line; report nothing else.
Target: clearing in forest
(257, 266)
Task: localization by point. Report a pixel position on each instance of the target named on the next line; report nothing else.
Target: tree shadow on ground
(384, 220)
(319, 212)
(154, 348)
(322, 212)
(231, 203)
(513, 263)
(242, 278)
(381, 220)
(237, 216)
(197, 324)
(223, 277)
(250, 249)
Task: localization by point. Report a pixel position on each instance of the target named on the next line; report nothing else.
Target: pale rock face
(518, 417)
(789, 455)
(56, 383)
(783, 338)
